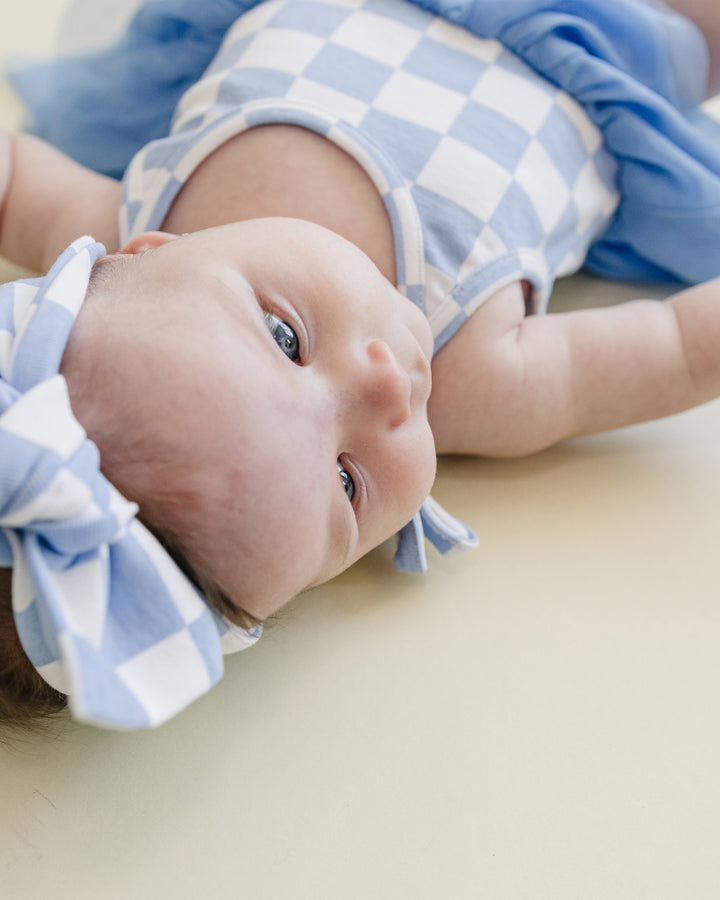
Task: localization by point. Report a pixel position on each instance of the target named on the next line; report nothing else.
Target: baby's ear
(147, 240)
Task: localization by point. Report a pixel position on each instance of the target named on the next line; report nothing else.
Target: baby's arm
(509, 385)
(47, 200)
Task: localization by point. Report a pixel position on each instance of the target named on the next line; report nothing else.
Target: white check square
(165, 675)
(591, 197)
(488, 247)
(201, 97)
(544, 185)
(483, 181)
(377, 38)
(417, 100)
(525, 101)
(281, 49)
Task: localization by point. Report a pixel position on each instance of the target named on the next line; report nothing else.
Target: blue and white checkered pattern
(488, 172)
(102, 611)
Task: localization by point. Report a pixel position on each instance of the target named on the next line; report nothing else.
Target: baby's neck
(285, 170)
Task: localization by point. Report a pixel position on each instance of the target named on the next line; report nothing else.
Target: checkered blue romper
(488, 172)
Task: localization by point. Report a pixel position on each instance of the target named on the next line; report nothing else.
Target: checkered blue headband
(102, 611)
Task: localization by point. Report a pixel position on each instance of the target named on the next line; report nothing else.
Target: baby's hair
(26, 701)
(212, 592)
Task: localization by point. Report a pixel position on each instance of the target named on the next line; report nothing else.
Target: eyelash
(276, 325)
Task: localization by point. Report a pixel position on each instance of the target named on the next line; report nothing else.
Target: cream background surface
(538, 719)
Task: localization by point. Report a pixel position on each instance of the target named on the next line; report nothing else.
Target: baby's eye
(346, 481)
(284, 335)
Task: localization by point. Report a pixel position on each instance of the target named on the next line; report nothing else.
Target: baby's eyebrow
(106, 271)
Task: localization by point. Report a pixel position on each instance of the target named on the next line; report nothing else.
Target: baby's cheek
(406, 480)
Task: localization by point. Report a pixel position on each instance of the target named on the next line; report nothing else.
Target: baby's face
(320, 373)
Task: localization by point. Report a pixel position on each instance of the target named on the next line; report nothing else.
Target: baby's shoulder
(466, 367)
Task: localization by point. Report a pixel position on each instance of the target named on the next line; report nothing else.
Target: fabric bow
(102, 611)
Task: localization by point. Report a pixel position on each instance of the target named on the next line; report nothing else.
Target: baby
(347, 198)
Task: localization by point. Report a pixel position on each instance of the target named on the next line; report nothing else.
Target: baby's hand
(48, 200)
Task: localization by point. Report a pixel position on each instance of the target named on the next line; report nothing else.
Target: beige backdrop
(536, 720)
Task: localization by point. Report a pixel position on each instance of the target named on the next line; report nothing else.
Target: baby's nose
(385, 388)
